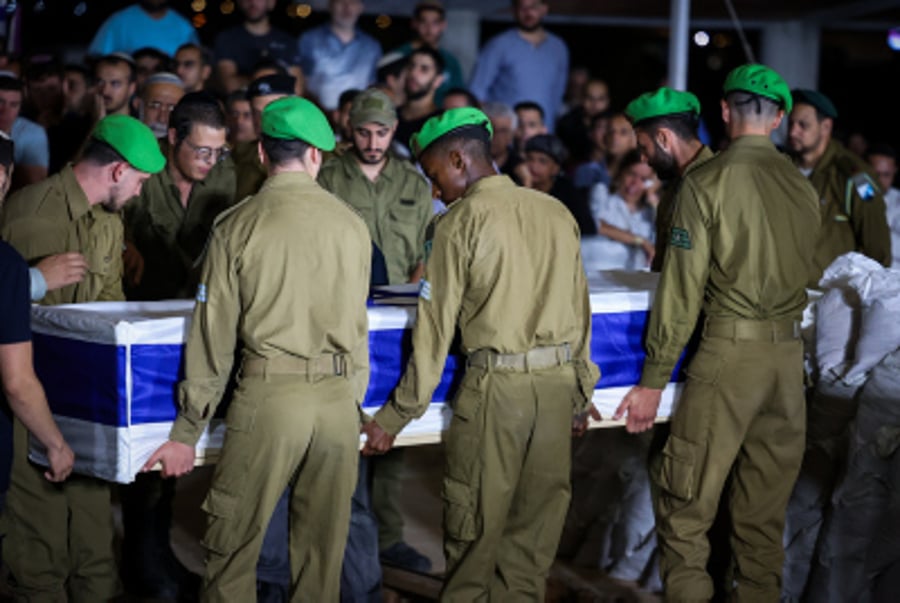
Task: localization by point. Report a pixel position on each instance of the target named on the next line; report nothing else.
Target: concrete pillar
(792, 49)
(462, 38)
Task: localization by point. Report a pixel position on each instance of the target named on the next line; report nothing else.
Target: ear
(827, 126)
(438, 81)
(456, 159)
(171, 137)
(726, 112)
(117, 171)
(778, 119)
(205, 72)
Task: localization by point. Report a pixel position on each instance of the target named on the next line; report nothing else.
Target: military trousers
(283, 430)
(742, 413)
(60, 537)
(506, 482)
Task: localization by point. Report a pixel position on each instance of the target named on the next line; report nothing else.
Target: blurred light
(227, 7)
(721, 40)
(80, 9)
(383, 21)
(199, 20)
(198, 5)
(701, 38)
(304, 10)
(893, 38)
(11, 7)
(39, 6)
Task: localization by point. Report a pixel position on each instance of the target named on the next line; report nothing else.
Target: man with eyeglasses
(169, 222)
(158, 97)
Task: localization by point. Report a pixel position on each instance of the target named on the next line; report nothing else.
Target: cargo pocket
(675, 472)
(459, 510)
(221, 535)
(463, 440)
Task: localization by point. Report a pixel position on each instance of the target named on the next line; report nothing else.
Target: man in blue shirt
(338, 56)
(526, 63)
(149, 23)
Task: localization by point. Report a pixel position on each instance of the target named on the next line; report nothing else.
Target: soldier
(395, 201)
(517, 291)
(249, 169)
(666, 124)
(294, 419)
(740, 250)
(170, 221)
(852, 206)
(73, 211)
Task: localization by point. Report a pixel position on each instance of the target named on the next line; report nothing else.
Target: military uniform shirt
(171, 237)
(52, 217)
(262, 284)
(505, 265)
(736, 254)
(396, 208)
(852, 210)
(666, 208)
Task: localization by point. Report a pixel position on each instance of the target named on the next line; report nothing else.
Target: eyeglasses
(208, 154)
(156, 105)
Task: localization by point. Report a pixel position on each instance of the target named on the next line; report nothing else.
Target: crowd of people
(160, 169)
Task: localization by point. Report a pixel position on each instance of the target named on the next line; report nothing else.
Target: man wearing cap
(851, 203)
(389, 193)
(666, 123)
(76, 210)
(516, 290)
(294, 419)
(545, 156)
(740, 247)
(249, 169)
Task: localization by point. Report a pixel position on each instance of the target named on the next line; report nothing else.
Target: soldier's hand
(62, 269)
(378, 441)
(133, 264)
(649, 251)
(62, 459)
(176, 458)
(641, 404)
(580, 422)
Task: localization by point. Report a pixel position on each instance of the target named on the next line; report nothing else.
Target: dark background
(857, 69)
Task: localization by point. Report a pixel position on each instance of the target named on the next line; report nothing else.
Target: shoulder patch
(680, 238)
(864, 186)
(425, 290)
(201, 293)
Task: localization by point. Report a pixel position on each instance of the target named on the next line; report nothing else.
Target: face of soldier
(530, 123)
(240, 122)
(10, 105)
(372, 141)
(422, 77)
(190, 68)
(543, 169)
(885, 170)
(126, 183)
(447, 172)
(620, 136)
(596, 98)
(503, 135)
(200, 150)
(157, 104)
(529, 14)
(657, 157)
(256, 10)
(805, 132)
(429, 27)
(114, 87)
(344, 13)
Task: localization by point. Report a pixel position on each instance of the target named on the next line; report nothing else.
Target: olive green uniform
(740, 246)
(666, 208)
(250, 173)
(61, 535)
(170, 236)
(286, 274)
(396, 207)
(505, 267)
(853, 214)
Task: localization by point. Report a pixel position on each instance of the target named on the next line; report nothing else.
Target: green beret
(760, 80)
(664, 101)
(295, 118)
(133, 140)
(446, 122)
(818, 100)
